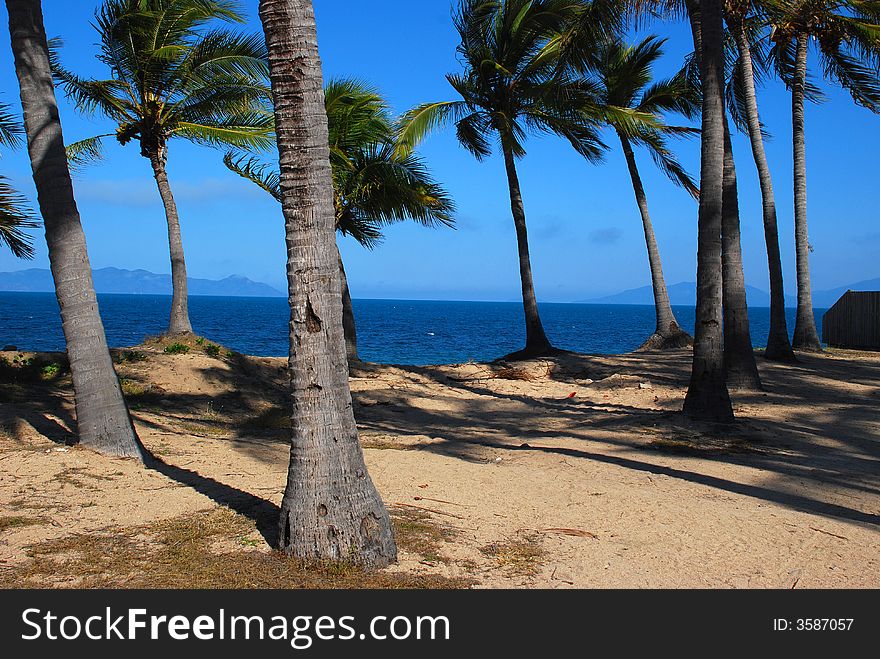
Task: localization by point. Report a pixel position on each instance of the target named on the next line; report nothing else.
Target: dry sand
(572, 472)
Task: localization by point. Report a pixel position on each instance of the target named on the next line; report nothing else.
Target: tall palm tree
(624, 77)
(331, 509)
(707, 396)
(739, 354)
(15, 217)
(513, 83)
(741, 370)
(741, 16)
(174, 75)
(373, 186)
(102, 417)
(846, 38)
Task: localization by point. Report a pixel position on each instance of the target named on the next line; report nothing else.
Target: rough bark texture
(348, 324)
(537, 343)
(778, 342)
(707, 397)
(739, 355)
(102, 416)
(331, 509)
(178, 323)
(667, 334)
(806, 337)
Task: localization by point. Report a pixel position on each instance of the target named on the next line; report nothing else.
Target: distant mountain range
(685, 294)
(137, 282)
(142, 282)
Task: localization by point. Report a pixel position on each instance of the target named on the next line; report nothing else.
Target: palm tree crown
(512, 82)
(172, 75)
(374, 184)
(847, 38)
(14, 214)
(625, 81)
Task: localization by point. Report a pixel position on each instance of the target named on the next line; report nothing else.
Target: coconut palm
(330, 509)
(373, 186)
(741, 370)
(846, 38)
(102, 417)
(624, 77)
(15, 216)
(513, 83)
(707, 396)
(173, 74)
(742, 17)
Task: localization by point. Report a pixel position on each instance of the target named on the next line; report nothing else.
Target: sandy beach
(557, 473)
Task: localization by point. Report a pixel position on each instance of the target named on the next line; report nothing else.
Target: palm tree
(331, 509)
(739, 354)
(513, 83)
(845, 37)
(740, 16)
(102, 417)
(707, 396)
(174, 76)
(624, 77)
(373, 186)
(14, 214)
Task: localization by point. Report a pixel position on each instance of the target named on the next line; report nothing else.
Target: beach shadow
(263, 513)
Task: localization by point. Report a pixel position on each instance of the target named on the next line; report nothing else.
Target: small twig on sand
(833, 535)
(451, 503)
(429, 510)
(578, 533)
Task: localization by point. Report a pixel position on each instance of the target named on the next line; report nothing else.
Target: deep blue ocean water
(389, 331)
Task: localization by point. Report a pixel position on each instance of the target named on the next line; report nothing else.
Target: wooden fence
(853, 322)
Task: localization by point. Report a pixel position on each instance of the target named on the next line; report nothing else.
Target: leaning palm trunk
(805, 335)
(778, 342)
(179, 322)
(707, 396)
(739, 355)
(667, 334)
(102, 417)
(349, 327)
(537, 343)
(331, 509)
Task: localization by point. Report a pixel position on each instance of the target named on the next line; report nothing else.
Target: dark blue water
(390, 331)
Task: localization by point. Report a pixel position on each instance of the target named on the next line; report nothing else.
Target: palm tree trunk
(667, 334)
(331, 509)
(739, 355)
(778, 342)
(349, 327)
(102, 416)
(537, 343)
(707, 396)
(178, 323)
(805, 335)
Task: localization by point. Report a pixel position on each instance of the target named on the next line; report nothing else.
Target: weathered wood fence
(854, 321)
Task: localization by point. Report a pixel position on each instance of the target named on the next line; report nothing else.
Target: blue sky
(585, 231)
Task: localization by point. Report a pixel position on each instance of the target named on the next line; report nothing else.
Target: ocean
(389, 331)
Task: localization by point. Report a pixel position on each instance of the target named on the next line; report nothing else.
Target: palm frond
(11, 130)
(418, 123)
(15, 217)
(86, 152)
(262, 174)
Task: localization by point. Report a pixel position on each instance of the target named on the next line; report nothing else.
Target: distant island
(138, 282)
(143, 282)
(685, 294)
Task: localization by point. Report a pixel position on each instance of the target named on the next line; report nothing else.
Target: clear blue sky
(585, 231)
